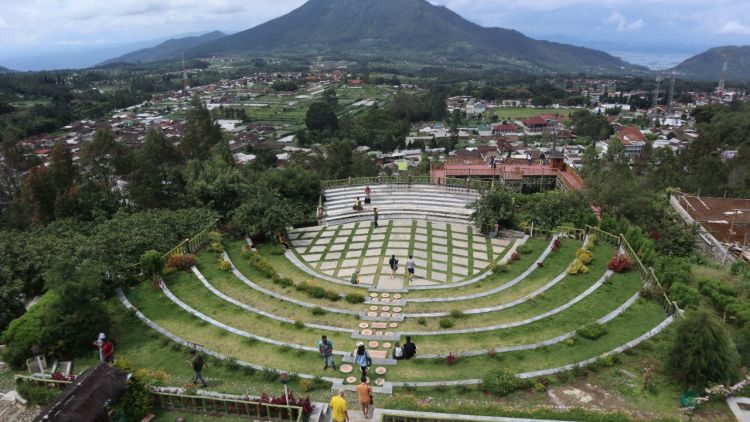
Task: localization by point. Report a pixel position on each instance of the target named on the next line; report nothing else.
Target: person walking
(362, 358)
(99, 343)
(197, 362)
(410, 349)
(393, 263)
(410, 267)
(375, 217)
(326, 350)
(367, 195)
(338, 407)
(108, 349)
(364, 391)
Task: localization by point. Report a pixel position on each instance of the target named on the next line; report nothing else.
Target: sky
(637, 27)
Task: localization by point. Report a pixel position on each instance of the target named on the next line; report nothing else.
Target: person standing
(410, 267)
(393, 263)
(338, 407)
(363, 358)
(410, 349)
(367, 195)
(99, 342)
(108, 349)
(364, 392)
(197, 362)
(375, 217)
(326, 350)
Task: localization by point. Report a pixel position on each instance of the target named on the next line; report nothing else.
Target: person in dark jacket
(410, 349)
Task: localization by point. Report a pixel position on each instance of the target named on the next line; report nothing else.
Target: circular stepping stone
(388, 333)
(373, 295)
(373, 308)
(364, 325)
(380, 382)
(380, 370)
(372, 314)
(385, 314)
(386, 295)
(351, 380)
(397, 296)
(385, 308)
(346, 368)
(373, 344)
(396, 310)
(366, 332)
(393, 325)
(387, 345)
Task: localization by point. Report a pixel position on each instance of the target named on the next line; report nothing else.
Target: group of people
(410, 266)
(106, 348)
(361, 357)
(358, 203)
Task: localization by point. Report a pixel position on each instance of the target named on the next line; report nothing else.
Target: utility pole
(670, 103)
(723, 78)
(656, 92)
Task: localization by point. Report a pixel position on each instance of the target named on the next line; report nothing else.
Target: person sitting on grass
(355, 278)
(358, 205)
(398, 351)
(410, 349)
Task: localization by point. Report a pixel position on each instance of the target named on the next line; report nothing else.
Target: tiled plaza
(443, 252)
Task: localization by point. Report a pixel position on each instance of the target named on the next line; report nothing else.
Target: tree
(496, 206)
(157, 181)
(589, 125)
(265, 213)
(320, 117)
(152, 264)
(200, 132)
(104, 159)
(330, 97)
(702, 353)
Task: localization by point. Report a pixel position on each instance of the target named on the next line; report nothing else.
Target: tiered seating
(403, 202)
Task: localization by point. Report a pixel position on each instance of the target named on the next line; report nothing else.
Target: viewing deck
(513, 173)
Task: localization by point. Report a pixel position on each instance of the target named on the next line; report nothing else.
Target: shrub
(318, 311)
(182, 262)
(540, 264)
(305, 385)
(446, 323)
(215, 246)
(592, 240)
(457, 313)
(684, 295)
(422, 321)
(539, 387)
(501, 268)
(316, 292)
(577, 267)
(332, 295)
(299, 324)
(515, 256)
(585, 256)
(284, 282)
(152, 263)
(525, 249)
(261, 264)
(451, 359)
(501, 382)
(276, 250)
(619, 263)
(215, 236)
(556, 244)
(37, 394)
(592, 331)
(354, 298)
(224, 265)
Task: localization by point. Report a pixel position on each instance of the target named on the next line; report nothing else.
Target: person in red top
(108, 350)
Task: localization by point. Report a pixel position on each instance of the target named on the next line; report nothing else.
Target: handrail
(54, 382)
(249, 408)
(193, 244)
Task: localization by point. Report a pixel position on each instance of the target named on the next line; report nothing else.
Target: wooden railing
(193, 244)
(239, 408)
(449, 182)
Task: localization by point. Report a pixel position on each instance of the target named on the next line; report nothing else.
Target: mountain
(6, 70)
(707, 65)
(411, 28)
(168, 50)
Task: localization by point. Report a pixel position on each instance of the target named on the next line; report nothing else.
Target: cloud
(622, 23)
(734, 27)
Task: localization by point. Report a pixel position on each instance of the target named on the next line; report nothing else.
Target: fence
(448, 182)
(47, 382)
(548, 233)
(647, 274)
(240, 408)
(194, 244)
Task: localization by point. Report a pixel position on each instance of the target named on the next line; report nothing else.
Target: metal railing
(251, 409)
(193, 244)
(47, 382)
(448, 182)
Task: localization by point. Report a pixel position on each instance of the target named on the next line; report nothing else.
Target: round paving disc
(385, 308)
(388, 333)
(364, 325)
(351, 380)
(380, 370)
(385, 314)
(373, 295)
(386, 295)
(373, 344)
(386, 345)
(380, 381)
(372, 314)
(373, 308)
(397, 310)
(397, 296)
(393, 324)
(367, 332)
(346, 368)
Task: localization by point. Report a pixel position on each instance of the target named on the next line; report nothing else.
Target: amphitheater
(503, 302)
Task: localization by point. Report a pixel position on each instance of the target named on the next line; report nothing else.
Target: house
(504, 129)
(633, 139)
(535, 125)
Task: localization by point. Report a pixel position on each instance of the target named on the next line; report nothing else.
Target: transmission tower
(656, 92)
(185, 84)
(670, 102)
(723, 78)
